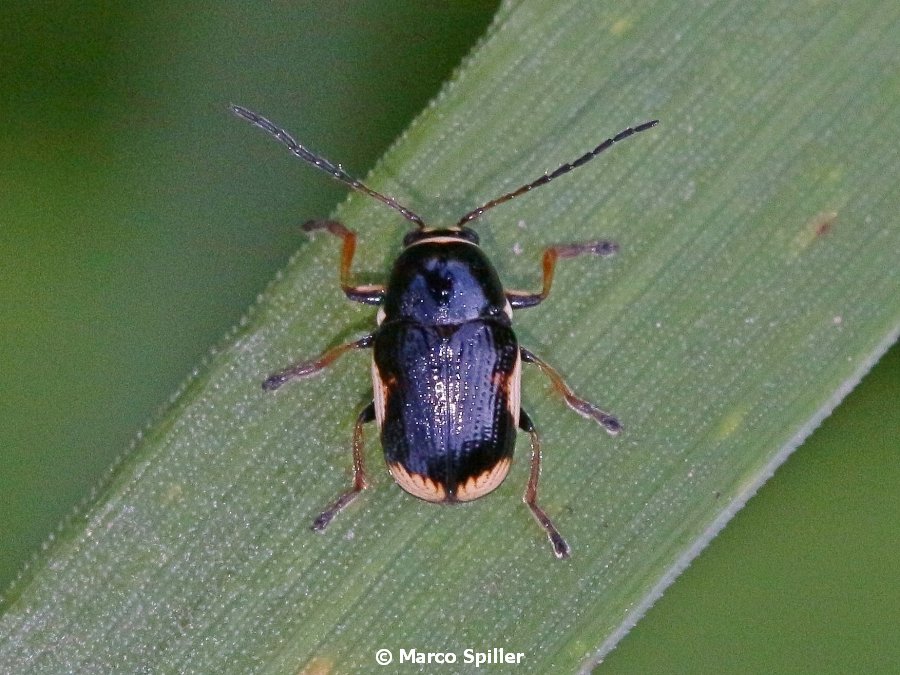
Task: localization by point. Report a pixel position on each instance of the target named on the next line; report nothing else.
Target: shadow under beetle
(446, 366)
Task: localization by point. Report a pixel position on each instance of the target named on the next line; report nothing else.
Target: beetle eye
(468, 235)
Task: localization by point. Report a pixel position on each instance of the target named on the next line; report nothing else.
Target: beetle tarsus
(304, 369)
(360, 482)
(309, 368)
(599, 247)
(272, 382)
(604, 248)
(610, 423)
(324, 519)
(560, 548)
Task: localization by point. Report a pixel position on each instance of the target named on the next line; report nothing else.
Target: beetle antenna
(319, 162)
(565, 168)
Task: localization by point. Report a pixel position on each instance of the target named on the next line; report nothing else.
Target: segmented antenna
(565, 168)
(334, 170)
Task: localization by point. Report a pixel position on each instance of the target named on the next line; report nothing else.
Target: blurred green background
(126, 252)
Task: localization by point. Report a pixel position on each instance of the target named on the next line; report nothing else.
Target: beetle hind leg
(560, 548)
(360, 482)
(583, 407)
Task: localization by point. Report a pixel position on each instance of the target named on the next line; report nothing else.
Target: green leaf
(756, 283)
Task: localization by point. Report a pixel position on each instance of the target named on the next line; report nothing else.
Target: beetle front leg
(370, 294)
(576, 403)
(359, 473)
(522, 299)
(560, 547)
(309, 368)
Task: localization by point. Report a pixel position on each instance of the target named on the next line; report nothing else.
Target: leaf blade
(715, 309)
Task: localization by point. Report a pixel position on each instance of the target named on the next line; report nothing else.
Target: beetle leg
(370, 294)
(576, 403)
(309, 368)
(560, 547)
(359, 472)
(522, 299)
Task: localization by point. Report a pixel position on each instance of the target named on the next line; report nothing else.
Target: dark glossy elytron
(446, 365)
(446, 361)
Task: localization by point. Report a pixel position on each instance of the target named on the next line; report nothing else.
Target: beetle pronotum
(446, 364)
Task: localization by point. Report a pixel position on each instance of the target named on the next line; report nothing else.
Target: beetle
(446, 364)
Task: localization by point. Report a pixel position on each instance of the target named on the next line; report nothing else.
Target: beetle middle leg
(522, 299)
(313, 366)
(581, 406)
(359, 473)
(370, 294)
(560, 547)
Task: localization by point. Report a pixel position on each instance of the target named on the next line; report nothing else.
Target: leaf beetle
(446, 364)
